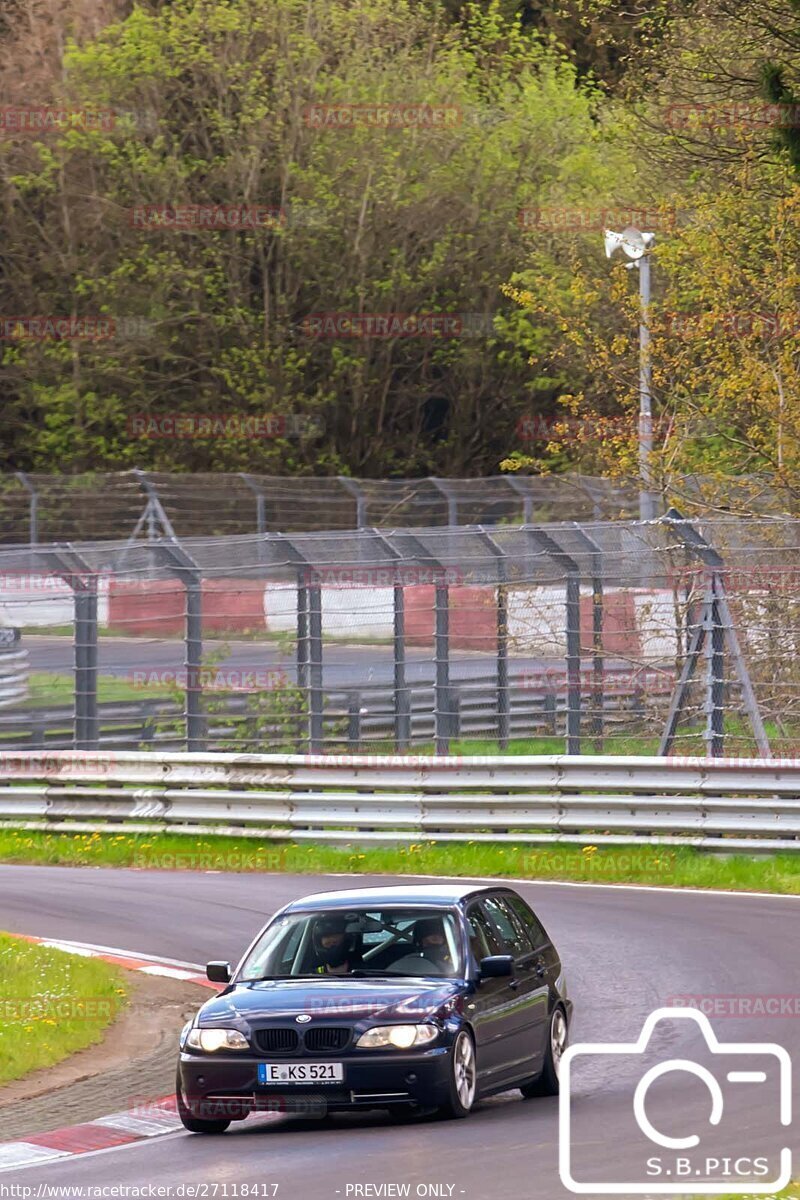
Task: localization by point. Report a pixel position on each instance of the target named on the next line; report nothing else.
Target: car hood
(331, 999)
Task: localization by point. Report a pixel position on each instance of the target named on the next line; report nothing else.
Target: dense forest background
(536, 124)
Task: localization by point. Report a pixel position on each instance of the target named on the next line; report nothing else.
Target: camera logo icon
(672, 1147)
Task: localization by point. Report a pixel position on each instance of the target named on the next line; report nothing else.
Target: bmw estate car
(413, 999)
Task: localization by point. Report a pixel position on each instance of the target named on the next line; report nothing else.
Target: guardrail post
(354, 721)
(550, 713)
(453, 713)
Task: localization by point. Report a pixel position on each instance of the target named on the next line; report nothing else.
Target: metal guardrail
(714, 804)
(353, 717)
(14, 673)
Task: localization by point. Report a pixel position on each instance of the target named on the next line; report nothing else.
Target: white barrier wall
(34, 601)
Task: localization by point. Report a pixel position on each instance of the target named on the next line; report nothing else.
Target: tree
(224, 102)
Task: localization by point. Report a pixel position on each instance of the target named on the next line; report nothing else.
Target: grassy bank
(52, 1005)
(661, 866)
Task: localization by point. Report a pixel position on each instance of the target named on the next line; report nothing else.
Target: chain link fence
(36, 508)
(674, 635)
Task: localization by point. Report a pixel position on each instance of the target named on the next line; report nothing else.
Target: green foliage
(420, 219)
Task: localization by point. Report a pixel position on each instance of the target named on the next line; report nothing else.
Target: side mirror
(219, 972)
(496, 966)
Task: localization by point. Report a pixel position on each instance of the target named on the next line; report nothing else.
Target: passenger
(334, 952)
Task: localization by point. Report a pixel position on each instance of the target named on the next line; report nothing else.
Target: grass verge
(53, 1004)
(51, 690)
(664, 866)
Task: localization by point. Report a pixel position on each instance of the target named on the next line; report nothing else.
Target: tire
(547, 1083)
(195, 1124)
(463, 1077)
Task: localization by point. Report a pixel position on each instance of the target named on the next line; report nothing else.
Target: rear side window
(511, 931)
(482, 937)
(528, 920)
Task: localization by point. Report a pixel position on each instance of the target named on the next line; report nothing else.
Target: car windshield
(357, 942)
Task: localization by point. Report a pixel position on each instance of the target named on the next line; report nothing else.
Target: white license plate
(300, 1072)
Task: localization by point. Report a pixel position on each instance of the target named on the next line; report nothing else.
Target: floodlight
(633, 242)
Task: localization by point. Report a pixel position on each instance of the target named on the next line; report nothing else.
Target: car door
(546, 962)
(489, 1007)
(530, 1014)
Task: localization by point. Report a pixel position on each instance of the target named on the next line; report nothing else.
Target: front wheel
(463, 1077)
(547, 1083)
(195, 1124)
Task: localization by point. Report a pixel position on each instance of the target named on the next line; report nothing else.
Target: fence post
(194, 660)
(82, 581)
(261, 503)
(598, 665)
(444, 488)
(551, 548)
(357, 493)
(33, 507)
(501, 678)
(315, 695)
(715, 676)
(85, 599)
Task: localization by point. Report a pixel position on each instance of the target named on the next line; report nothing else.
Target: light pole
(637, 246)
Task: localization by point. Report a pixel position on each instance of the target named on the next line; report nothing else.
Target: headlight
(400, 1037)
(210, 1040)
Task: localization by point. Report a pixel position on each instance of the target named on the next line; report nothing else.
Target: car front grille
(276, 1041)
(326, 1039)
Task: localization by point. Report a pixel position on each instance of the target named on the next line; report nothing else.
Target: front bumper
(227, 1087)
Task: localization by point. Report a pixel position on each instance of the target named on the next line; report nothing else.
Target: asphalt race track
(626, 953)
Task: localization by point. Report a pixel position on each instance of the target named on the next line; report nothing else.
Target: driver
(430, 940)
(334, 953)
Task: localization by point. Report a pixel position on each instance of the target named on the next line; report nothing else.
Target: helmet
(332, 956)
(427, 926)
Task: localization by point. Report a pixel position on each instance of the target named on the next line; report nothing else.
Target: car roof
(435, 894)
